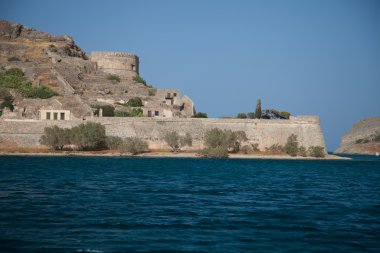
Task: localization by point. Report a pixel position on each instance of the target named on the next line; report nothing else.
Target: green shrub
(285, 114)
(136, 112)
(139, 79)
(107, 110)
(377, 137)
(186, 140)
(302, 151)
(7, 100)
(114, 78)
(135, 102)
(39, 92)
(316, 151)
(176, 142)
(5, 94)
(114, 142)
(251, 115)
(224, 138)
(275, 148)
(55, 137)
(291, 146)
(134, 145)
(7, 104)
(152, 91)
(241, 115)
(88, 136)
(255, 147)
(13, 58)
(217, 152)
(53, 48)
(121, 114)
(200, 115)
(246, 148)
(359, 141)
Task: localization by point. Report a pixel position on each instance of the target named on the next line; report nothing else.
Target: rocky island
(362, 138)
(48, 80)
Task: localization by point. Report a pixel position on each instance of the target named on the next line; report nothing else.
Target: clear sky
(307, 57)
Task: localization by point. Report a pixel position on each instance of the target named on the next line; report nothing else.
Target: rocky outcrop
(11, 31)
(361, 139)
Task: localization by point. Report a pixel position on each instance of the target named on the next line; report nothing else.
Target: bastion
(26, 133)
(123, 64)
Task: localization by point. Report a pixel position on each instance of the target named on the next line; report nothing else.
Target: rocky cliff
(362, 138)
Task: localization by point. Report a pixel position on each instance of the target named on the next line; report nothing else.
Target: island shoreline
(169, 155)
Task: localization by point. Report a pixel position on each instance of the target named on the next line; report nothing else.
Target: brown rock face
(360, 139)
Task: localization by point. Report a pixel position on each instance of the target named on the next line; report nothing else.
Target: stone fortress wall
(123, 64)
(26, 133)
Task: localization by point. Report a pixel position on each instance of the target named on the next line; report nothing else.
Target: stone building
(51, 114)
(125, 65)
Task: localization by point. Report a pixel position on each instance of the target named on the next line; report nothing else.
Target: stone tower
(125, 65)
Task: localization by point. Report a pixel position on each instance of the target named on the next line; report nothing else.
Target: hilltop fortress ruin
(83, 85)
(117, 63)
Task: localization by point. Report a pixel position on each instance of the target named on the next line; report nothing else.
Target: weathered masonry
(264, 132)
(117, 63)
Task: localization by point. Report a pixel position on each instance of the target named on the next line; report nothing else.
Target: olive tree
(88, 136)
(55, 137)
(291, 146)
(176, 142)
(134, 145)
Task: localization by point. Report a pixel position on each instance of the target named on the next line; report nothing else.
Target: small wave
(90, 251)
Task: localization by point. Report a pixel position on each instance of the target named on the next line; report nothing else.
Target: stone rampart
(263, 132)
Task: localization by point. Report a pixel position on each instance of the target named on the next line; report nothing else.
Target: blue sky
(306, 57)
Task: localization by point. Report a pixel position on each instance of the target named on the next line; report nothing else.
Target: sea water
(96, 204)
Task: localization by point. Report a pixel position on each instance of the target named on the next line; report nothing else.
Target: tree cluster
(89, 136)
(6, 100)
(200, 115)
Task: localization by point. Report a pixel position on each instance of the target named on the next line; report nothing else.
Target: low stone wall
(263, 132)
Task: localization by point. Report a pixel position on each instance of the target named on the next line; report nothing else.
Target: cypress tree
(258, 109)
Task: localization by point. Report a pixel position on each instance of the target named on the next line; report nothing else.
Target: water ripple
(78, 204)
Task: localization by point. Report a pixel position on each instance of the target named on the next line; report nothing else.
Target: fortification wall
(263, 132)
(117, 63)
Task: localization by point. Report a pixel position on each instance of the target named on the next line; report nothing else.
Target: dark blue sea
(95, 204)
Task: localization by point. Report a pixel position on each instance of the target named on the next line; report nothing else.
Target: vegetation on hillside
(6, 100)
(13, 58)
(114, 78)
(136, 112)
(373, 138)
(135, 102)
(139, 79)
(14, 79)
